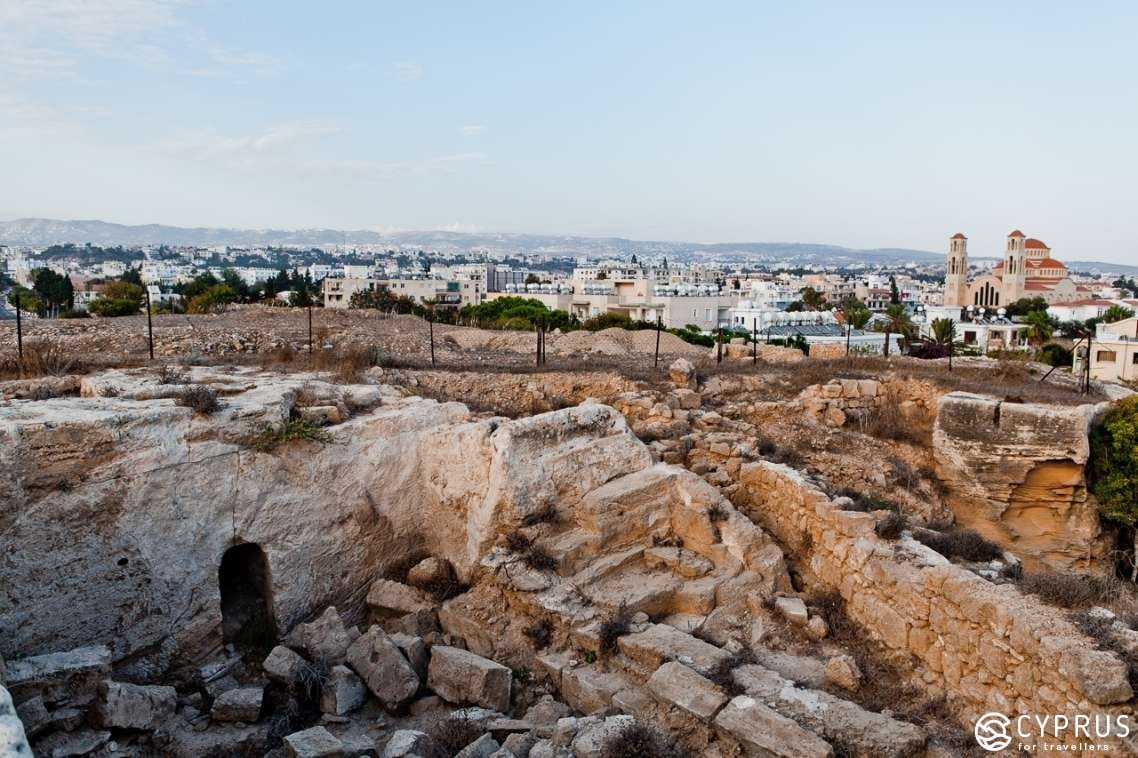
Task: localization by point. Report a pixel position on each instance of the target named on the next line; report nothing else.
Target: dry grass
(639, 740)
(446, 737)
(612, 629)
(965, 544)
(540, 634)
(891, 527)
(531, 554)
(200, 399)
(41, 358)
(722, 674)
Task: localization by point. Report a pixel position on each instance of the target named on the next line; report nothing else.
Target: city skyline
(875, 127)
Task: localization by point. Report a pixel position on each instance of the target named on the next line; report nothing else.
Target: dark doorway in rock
(246, 597)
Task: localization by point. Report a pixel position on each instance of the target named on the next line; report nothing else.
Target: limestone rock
(390, 599)
(762, 732)
(283, 665)
(324, 639)
(1101, 675)
(483, 747)
(13, 741)
(242, 704)
(133, 706)
(460, 676)
(414, 650)
(316, 742)
(379, 662)
(676, 684)
(342, 692)
(843, 671)
(682, 373)
(69, 744)
(793, 610)
(591, 738)
(405, 743)
(430, 572)
(73, 676)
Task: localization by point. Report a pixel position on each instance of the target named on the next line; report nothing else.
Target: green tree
(1113, 469)
(1116, 313)
(53, 289)
(894, 293)
(1025, 305)
(123, 290)
(897, 321)
(1037, 327)
(855, 313)
(29, 301)
(109, 307)
(813, 300)
(212, 300)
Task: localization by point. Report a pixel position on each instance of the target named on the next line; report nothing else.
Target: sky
(861, 124)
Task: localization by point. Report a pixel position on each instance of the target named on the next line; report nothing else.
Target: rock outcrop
(1015, 473)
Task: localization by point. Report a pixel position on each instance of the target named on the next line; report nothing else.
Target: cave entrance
(246, 597)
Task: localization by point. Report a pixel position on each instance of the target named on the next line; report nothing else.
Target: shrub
(1066, 590)
(105, 307)
(201, 399)
(890, 527)
(717, 513)
(45, 358)
(74, 313)
(1113, 469)
(865, 502)
(540, 634)
(42, 392)
(546, 514)
(267, 438)
(612, 629)
(638, 740)
(1054, 354)
(960, 543)
(607, 321)
(446, 737)
(532, 555)
(171, 375)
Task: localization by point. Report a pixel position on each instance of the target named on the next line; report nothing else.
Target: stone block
(384, 669)
(763, 732)
(460, 676)
(241, 704)
(316, 742)
(134, 706)
(342, 692)
(283, 665)
(676, 684)
(324, 639)
(73, 676)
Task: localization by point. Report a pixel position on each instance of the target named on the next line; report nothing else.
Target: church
(1027, 270)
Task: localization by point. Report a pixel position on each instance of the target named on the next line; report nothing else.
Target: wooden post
(431, 329)
(149, 325)
(719, 346)
(755, 341)
(849, 332)
(538, 362)
(310, 327)
(1086, 383)
(659, 324)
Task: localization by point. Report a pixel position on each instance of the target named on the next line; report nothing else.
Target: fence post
(719, 346)
(19, 331)
(755, 341)
(537, 360)
(310, 327)
(659, 324)
(431, 329)
(149, 325)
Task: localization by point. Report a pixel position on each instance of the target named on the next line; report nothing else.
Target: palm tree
(855, 314)
(1116, 313)
(944, 331)
(897, 321)
(1037, 327)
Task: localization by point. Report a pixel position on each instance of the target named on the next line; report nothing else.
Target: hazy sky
(863, 124)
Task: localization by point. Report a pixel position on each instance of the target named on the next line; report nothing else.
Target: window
(969, 338)
(1105, 356)
(1134, 359)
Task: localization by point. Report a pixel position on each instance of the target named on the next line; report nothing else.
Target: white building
(1114, 351)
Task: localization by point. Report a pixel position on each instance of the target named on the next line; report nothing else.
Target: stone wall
(1015, 473)
(986, 646)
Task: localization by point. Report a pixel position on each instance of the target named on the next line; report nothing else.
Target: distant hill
(38, 231)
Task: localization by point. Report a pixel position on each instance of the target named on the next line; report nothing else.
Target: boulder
(384, 669)
(283, 665)
(67, 744)
(591, 737)
(316, 742)
(430, 572)
(843, 671)
(405, 743)
(676, 684)
(414, 649)
(72, 677)
(13, 741)
(134, 706)
(389, 599)
(242, 704)
(793, 610)
(342, 691)
(483, 747)
(762, 732)
(460, 676)
(682, 374)
(325, 639)
(1102, 676)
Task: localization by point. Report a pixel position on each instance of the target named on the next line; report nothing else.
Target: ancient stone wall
(985, 646)
(1015, 473)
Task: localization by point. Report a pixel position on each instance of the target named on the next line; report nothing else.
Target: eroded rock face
(1015, 473)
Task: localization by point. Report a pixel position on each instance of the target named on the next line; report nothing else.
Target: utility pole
(149, 325)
